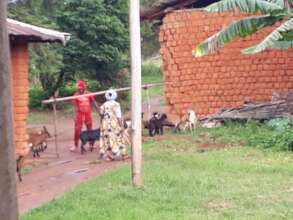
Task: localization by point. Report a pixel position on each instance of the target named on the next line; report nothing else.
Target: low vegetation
(212, 174)
(152, 73)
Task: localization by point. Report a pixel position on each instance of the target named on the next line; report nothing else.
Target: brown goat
(20, 157)
(38, 141)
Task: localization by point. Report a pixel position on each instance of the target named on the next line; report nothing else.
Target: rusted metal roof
(34, 33)
(161, 7)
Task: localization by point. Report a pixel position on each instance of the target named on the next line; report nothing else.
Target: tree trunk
(8, 200)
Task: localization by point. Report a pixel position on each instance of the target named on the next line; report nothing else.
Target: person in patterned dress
(112, 144)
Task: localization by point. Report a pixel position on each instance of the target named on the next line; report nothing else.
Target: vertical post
(55, 130)
(135, 50)
(8, 201)
(149, 103)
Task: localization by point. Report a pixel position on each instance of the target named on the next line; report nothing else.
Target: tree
(8, 202)
(272, 11)
(46, 61)
(99, 45)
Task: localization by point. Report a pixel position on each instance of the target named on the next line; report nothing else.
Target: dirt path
(62, 174)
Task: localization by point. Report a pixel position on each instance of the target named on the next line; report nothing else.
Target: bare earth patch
(220, 205)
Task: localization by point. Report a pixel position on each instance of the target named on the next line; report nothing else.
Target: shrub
(151, 69)
(68, 89)
(36, 95)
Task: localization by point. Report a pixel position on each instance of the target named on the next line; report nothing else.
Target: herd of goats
(37, 138)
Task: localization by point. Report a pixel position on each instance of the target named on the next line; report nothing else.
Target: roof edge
(35, 33)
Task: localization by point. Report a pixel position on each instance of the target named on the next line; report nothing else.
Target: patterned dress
(111, 141)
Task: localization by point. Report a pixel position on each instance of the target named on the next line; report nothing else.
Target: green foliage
(274, 10)
(279, 124)
(276, 135)
(98, 48)
(46, 63)
(150, 33)
(248, 6)
(150, 39)
(97, 51)
(151, 73)
(36, 96)
(240, 28)
(274, 39)
(68, 89)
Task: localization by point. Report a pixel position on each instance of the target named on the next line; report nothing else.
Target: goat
(89, 136)
(38, 142)
(191, 120)
(20, 157)
(156, 124)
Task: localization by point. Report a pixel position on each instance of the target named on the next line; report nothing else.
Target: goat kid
(156, 124)
(191, 120)
(37, 142)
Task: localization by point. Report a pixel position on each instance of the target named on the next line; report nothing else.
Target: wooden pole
(8, 200)
(52, 100)
(135, 50)
(55, 130)
(149, 103)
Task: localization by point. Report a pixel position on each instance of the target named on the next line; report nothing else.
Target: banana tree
(271, 12)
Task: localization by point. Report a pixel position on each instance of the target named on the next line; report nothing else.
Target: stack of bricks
(20, 85)
(224, 79)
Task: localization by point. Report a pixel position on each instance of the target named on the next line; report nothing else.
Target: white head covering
(111, 95)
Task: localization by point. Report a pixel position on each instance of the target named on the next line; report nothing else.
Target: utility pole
(135, 50)
(8, 200)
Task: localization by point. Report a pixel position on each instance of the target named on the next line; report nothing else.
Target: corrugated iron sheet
(34, 33)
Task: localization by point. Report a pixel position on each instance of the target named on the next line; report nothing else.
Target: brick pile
(224, 79)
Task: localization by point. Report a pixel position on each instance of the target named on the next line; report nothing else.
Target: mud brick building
(224, 79)
(20, 35)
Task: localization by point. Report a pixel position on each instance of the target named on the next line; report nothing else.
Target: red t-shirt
(83, 104)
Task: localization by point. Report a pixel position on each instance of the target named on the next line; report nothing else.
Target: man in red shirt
(83, 112)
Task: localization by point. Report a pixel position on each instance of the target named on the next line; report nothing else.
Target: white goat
(191, 120)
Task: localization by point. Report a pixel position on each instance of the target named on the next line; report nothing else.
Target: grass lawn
(181, 182)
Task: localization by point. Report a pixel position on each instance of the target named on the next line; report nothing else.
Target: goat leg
(82, 149)
(92, 146)
(18, 169)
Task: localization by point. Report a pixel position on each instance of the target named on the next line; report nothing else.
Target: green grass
(29, 168)
(152, 74)
(237, 182)
(37, 117)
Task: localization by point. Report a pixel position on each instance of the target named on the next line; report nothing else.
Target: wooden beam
(8, 200)
(97, 93)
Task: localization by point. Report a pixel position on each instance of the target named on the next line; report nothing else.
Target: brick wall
(19, 68)
(224, 79)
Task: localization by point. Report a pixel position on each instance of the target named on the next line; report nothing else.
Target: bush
(68, 89)
(151, 69)
(151, 73)
(36, 96)
(277, 134)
